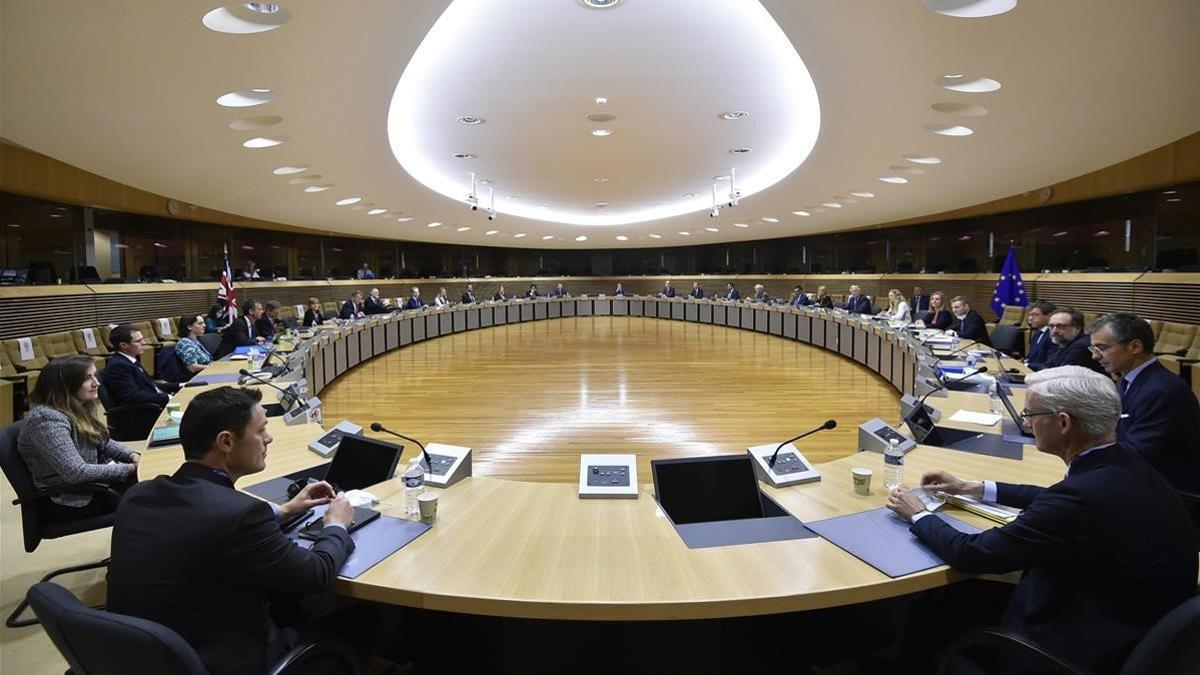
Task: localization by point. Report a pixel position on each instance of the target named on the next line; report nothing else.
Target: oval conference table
(509, 548)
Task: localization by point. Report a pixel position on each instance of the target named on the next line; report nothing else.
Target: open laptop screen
(706, 489)
(361, 462)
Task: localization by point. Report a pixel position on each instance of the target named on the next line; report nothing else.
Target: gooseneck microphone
(947, 355)
(829, 424)
(245, 373)
(379, 428)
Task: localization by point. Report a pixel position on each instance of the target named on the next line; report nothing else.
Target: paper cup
(862, 480)
(428, 502)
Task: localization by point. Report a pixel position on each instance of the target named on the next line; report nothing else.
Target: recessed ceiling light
(601, 205)
(949, 129)
(403, 220)
(470, 119)
(262, 142)
(1101, 233)
(14, 224)
(740, 225)
(362, 207)
(799, 213)
(769, 219)
(862, 193)
(970, 9)
(712, 229)
(463, 155)
(348, 201)
(689, 195)
(491, 232)
(434, 224)
(895, 180)
(601, 179)
(736, 115)
(246, 98)
(1169, 192)
(621, 237)
(375, 212)
(922, 159)
(317, 188)
(1060, 234)
(655, 236)
(601, 100)
(246, 17)
(600, 117)
(954, 76)
(720, 177)
(464, 228)
(906, 170)
(740, 151)
(286, 170)
(59, 215)
(685, 233)
(547, 237)
(832, 205)
(582, 237)
(968, 84)
(602, 132)
(1175, 199)
(518, 235)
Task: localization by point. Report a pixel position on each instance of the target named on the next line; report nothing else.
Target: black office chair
(131, 422)
(1170, 647)
(329, 315)
(87, 274)
(211, 342)
(1006, 338)
(36, 523)
(95, 642)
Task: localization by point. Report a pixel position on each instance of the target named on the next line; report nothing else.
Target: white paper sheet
(970, 417)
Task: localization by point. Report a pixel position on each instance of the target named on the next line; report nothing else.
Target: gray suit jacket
(56, 456)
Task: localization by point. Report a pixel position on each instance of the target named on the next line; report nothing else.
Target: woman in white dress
(898, 307)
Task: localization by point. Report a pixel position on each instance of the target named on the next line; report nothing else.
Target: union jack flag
(226, 296)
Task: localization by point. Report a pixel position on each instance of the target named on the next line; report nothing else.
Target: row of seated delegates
(668, 291)
(267, 325)
(167, 567)
(243, 330)
(799, 297)
(1105, 553)
(126, 381)
(939, 315)
(64, 441)
(414, 300)
(697, 292)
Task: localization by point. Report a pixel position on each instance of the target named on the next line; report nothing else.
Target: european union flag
(1010, 290)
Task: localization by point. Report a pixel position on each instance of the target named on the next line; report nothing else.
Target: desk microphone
(290, 395)
(829, 424)
(947, 355)
(377, 428)
(245, 373)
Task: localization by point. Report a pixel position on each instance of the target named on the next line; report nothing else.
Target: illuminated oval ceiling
(525, 75)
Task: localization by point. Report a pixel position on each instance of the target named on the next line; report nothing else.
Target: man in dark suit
(532, 293)
(619, 291)
(352, 308)
(375, 304)
(1074, 345)
(124, 378)
(242, 332)
(858, 303)
(920, 303)
(799, 297)
(265, 325)
(1106, 552)
(668, 290)
(731, 293)
(468, 295)
(499, 295)
(414, 300)
(967, 323)
(559, 292)
(1160, 418)
(194, 554)
(760, 294)
(1041, 345)
(697, 292)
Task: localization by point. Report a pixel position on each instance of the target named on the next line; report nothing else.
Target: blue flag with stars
(1010, 290)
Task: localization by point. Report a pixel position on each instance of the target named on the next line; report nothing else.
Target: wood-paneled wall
(35, 310)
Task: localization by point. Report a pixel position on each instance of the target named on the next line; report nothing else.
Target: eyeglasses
(1061, 325)
(1101, 348)
(1025, 414)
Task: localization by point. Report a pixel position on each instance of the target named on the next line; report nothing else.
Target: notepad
(971, 417)
(883, 540)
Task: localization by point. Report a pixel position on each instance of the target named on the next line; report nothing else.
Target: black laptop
(707, 489)
(360, 462)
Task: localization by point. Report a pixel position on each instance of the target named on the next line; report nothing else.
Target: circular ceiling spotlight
(895, 180)
(602, 132)
(256, 122)
(547, 237)
(922, 159)
(601, 179)
(246, 98)
(601, 117)
(740, 225)
(862, 193)
(318, 188)
(375, 212)
(601, 100)
(463, 155)
(491, 232)
(405, 219)
(801, 212)
(735, 115)
(434, 224)
(962, 109)
(832, 205)
(685, 233)
(263, 142)
(739, 151)
(720, 177)
(464, 228)
(518, 235)
(246, 17)
(907, 170)
(600, 4)
(655, 236)
(970, 9)
(689, 195)
(601, 205)
(769, 219)
(470, 119)
(949, 129)
(301, 180)
(967, 84)
(582, 237)
(285, 170)
(711, 229)
(621, 237)
(348, 201)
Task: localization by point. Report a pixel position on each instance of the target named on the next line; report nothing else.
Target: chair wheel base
(14, 620)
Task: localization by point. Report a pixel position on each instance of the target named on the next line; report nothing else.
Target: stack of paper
(971, 417)
(994, 512)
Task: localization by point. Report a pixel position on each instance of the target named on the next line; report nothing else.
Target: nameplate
(164, 327)
(89, 338)
(26, 347)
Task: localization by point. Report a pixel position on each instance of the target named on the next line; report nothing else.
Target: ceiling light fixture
(601, 100)
(547, 237)
(969, 85)
(601, 179)
(689, 195)
(740, 151)
(348, 201)
(375, 212)
(685, 233)
(600, 117)
(470, 119)
(970, 9)
(464, 228)
(463, 155)
(769, 219)
(582, 237)
(712, 229)
(246, 98)
(799, 213)
(317, 188)
(740, 225)
(862, 193)
(246, 17)
(832, 205)
(720, 177)
(655, 236)
(949, 129)
(736, 115)
(895, 180)
(301, 180)
(262, 142)
(518, 235)
(602, 132)
(491, 232)
(286, 170)
(922, 159)
(434, 224)
(403, 220)
(621, 237)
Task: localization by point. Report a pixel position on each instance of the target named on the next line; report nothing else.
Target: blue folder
(882, 540)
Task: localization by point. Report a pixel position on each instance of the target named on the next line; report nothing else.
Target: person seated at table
(352, 308)
(250, 271)
(242, 331)
(760, 294)
(1161, 417)
(532, 293)
(124, 377)
(499, 295)
(696, 292)
(440, 300)
(920, 303)
(938, 317)
(313, 316)
(194, 554)
(1041, 345)
(375, 304)
(1105, 552)
(64, 441)
(559, 292)
(731, 293)
(194, 355)
(214, 321)
(799, 297)
(668, 290)
(967, 323)
(268, 322)
(414, 300)
(858, 303)
(1074, 345)
(468, 295)
(365, 272)
(620, 290)
(823, 299)
(897, 307)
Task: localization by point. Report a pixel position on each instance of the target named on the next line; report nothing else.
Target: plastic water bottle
(994, 403)
(893, 465)
(971, 360)
(414, 485)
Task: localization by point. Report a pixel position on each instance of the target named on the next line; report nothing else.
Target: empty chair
(88, 341)
(211, 342)
(1175, 338)
(41, 272)
(131, 422)
(1006, 338)
(165, 329)
(1013, 315)
(58, 345)
(25, 353)
(86, 274)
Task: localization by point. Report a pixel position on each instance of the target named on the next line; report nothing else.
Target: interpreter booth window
(957, 246)
(1105, 235)
(308, 257)
(210, 243)
(1177, 241)
(268, 250)
(344, 256)
(42, 241)
(137, 247)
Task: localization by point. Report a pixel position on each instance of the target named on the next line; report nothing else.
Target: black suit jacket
(374, 305)
(920, 303)
(1041, 348)
(941, 319)
(559, 294)
(497, 297)
(1161, 423)
(348, 310)
(265, 327)
(1106, 552)
(668, 292)
(1075, 353)
(697, 293)
(859, 305)
(312, 318)
(619, 292)
(732, 294)
(237, 334)
(825, 302)
(192, 553)
(971, 327)
(128, 382)
(468, 297)
(800, 300)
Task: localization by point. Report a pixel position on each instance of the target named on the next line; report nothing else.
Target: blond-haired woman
(898, 307)
(313, 316)
(64, 441)
(823, 300)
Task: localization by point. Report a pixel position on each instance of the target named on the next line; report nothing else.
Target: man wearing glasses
(1066, 329)
(1106, 552)
(1161, 418)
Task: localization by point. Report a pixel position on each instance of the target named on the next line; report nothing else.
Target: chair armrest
(1006, 645)
(133, 407)
(327, 651)
(46, 493)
